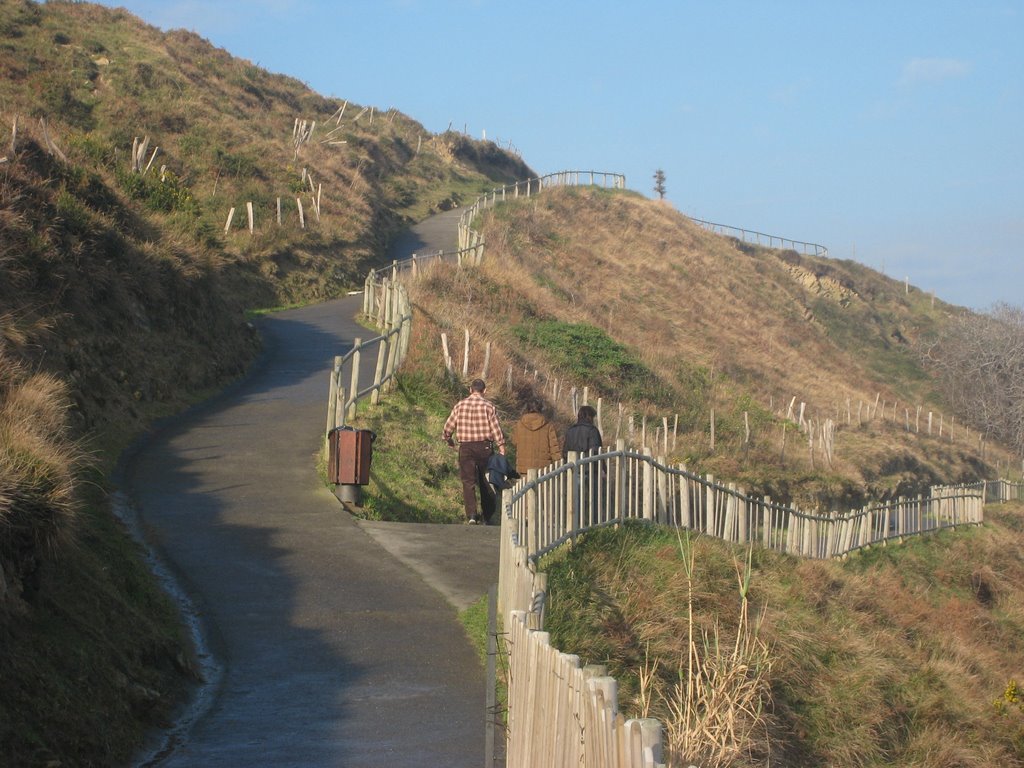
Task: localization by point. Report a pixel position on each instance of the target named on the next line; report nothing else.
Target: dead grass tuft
(37, 465)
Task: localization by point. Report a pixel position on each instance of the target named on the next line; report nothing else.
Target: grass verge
(414, 475)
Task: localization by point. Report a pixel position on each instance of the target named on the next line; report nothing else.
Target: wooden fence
(564, 714)
(550, 507)
(390, 305)
(999, 491)
(560, 713)
(575, 721)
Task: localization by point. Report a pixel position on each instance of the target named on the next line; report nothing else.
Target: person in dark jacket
(582, 436)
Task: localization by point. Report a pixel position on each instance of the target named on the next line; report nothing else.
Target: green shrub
(587, 354)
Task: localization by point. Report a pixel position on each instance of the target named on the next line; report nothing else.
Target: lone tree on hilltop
(659, 183)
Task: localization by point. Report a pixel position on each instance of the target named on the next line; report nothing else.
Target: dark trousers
(473, 473)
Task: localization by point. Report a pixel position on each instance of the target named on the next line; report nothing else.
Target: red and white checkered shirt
(474, 419)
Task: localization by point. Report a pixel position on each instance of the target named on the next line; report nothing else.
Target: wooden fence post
(332, 398)
(378, 374)
(648, 490)
(392, 363)
(574, 518)
(357, 346)
(532, 534)
(487, 362)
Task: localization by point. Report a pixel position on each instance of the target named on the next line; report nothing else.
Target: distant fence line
(761, 238)
(1001, 491)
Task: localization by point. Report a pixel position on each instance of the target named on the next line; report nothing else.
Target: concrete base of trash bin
(349, 494)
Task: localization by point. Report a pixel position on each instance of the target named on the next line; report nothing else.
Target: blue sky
(890, 132)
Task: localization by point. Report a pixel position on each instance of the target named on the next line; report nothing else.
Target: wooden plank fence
(1000, 491)
(609, 486)
(550, 507)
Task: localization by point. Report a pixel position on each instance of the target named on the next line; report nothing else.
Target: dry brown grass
(896, 656)
(716, 708)
(38, 462)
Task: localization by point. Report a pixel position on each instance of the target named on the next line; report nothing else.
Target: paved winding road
(336, 643)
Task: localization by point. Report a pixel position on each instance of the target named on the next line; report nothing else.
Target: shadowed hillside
(124, 287)
(147, 250)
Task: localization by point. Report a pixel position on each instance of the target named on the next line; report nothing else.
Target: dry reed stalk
(719, 705)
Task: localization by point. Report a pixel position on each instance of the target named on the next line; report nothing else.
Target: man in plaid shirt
(475, 421)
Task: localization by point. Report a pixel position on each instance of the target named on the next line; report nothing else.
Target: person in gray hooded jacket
(583, 436)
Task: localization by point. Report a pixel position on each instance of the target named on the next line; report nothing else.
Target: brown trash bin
(349, 453)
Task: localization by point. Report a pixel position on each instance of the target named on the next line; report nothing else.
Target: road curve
(332, 651)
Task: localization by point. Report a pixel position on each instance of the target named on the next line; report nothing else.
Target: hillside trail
(325, 641)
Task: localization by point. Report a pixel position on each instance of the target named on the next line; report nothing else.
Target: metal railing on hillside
(762, 238)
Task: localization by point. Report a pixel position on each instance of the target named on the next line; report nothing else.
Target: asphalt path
(326, 641)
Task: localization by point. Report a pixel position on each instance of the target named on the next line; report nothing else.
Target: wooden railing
(548, 508)
(561, 714)
(393, 315)
(999, 491)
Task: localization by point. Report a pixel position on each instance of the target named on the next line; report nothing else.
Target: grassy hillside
(123, 297)
(608, 290)
(902, 655)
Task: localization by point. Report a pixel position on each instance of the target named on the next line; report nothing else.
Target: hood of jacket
(533, 421)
